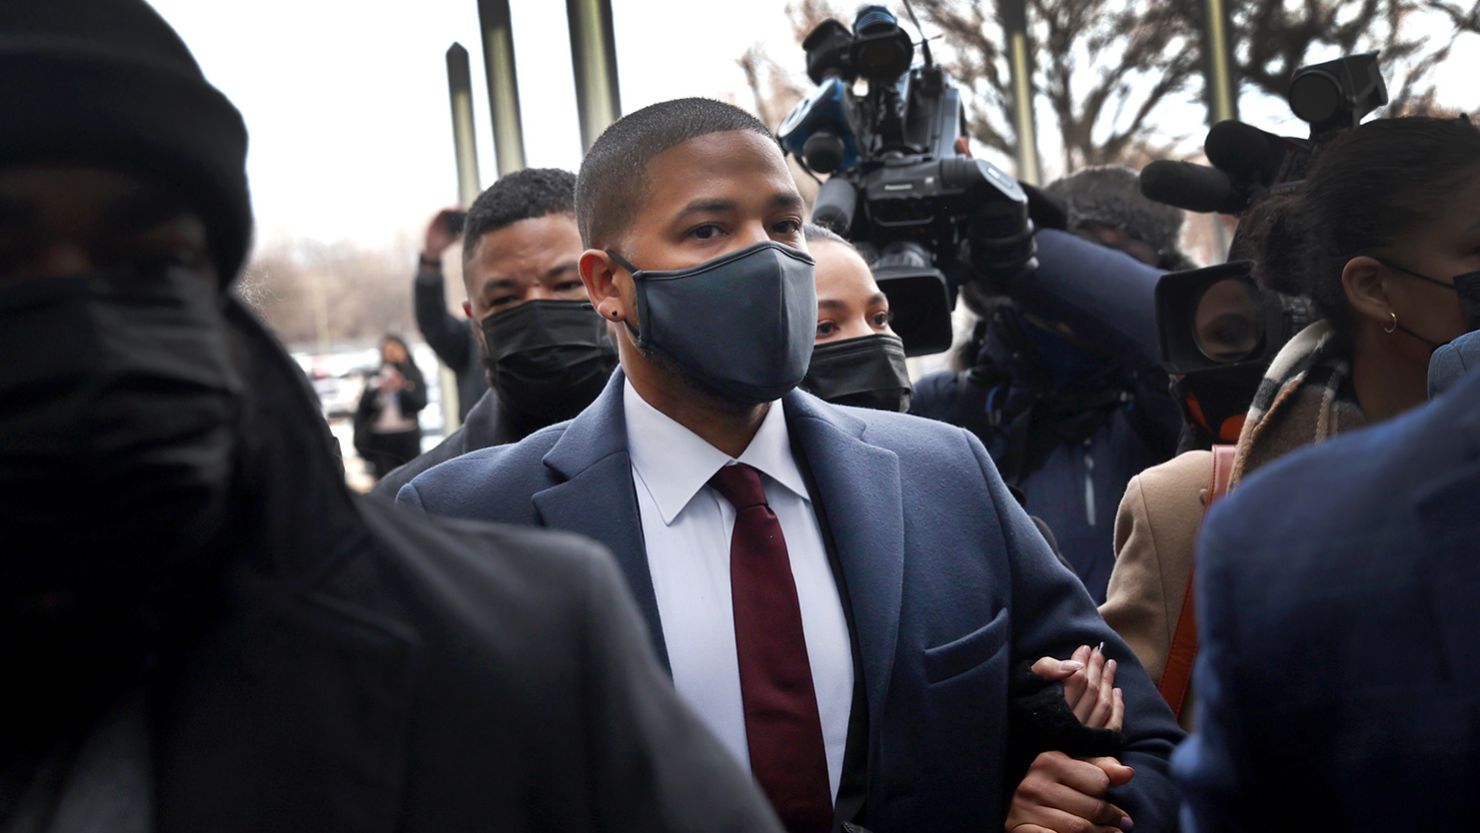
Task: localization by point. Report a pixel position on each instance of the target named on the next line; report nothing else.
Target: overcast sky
(346, 102)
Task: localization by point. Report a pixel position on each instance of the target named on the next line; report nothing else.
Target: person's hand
(392, 380)
(439, 239)
(1061, 794)
(1089, 686)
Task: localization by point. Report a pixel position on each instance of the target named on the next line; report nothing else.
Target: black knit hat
(109, 82)
(1111, 195)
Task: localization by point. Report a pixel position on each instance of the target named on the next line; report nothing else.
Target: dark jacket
(950, 587)
(368, 670)
(411, 399)
(1070, 442)
(1338, 599)
(450, 337)
(484, 426)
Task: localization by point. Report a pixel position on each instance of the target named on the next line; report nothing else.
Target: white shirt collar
(675, 463)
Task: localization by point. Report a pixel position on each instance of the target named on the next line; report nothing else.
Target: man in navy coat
(1339, 607)
(844, 595)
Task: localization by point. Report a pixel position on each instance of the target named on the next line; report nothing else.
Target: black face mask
(1216, 401)
(741, 324)
(1466, 286)
(119, 411)
(548, 360)
(867, 372)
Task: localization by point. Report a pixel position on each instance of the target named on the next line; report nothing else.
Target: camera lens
(1315, 97)
(1228, 323)
(823, 152)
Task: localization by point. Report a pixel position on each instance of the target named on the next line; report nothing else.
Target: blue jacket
(1075, 486)
(1338, 596)
(950, 586)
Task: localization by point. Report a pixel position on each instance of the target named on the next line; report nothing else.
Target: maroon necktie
(782, 728)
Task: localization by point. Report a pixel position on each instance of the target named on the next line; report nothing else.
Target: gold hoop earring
(1392, 327)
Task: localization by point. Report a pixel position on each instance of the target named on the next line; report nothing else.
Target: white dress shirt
(687, 526)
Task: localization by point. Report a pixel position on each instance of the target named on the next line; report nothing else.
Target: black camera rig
(929, 218)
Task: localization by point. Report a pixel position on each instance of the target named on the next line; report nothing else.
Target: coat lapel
(597, 498)
(859, 491)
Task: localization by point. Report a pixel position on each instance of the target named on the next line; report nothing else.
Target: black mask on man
(119, 411)
(548, 360)
(867, 372)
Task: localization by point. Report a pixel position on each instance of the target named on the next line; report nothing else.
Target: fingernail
(1126, 824)
(1073, 665)
(1101, 649)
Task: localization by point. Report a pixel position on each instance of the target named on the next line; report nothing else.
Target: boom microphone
(1245, 152)
(1192, 187)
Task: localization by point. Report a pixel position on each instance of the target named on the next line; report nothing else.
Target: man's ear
(1364, 280)
(598, 273)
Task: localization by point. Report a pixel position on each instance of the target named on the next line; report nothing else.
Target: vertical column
(1014, 16)
(503, 84)
(593, 52)
(464, 142)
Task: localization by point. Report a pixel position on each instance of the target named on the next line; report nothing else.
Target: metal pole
(503, 84)
(465, 151)
(464, 141)
(1015, 22)
(593, 50)
(1222, 87)
(1218, 63)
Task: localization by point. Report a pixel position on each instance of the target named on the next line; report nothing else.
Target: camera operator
(454, 341)
(1070, 413)
(543, 350)
(1376, 236)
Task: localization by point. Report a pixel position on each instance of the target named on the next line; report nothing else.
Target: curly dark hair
(522, 195)
(1368, 189)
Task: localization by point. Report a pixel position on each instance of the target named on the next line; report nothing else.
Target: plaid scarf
(1304, 399)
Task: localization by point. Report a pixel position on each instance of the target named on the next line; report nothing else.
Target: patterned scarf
(1305, 398)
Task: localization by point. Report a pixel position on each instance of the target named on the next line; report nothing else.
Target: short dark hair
(1366, 191)
(614, 174)
(521, 195)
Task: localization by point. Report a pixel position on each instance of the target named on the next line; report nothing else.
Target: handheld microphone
(1192, 187)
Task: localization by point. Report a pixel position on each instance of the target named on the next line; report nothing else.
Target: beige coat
(1155, 537)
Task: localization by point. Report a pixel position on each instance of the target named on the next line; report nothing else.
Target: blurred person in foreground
(1382, 237)
(1067, 420)
(544, 350)
(201, 629)
(1337, 675)
(844, 594)
(387, 433)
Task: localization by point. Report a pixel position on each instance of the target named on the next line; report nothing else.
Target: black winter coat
(373, 671)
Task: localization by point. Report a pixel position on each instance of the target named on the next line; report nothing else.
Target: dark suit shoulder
(905, 434)
(1327, 496)
(454, 445)
(489, 484)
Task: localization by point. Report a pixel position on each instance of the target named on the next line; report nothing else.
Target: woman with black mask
(387, 433)
(857, 360)
(1383, 238)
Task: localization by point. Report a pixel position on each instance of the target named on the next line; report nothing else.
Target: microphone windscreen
(1191, 187)
(1244, 151)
